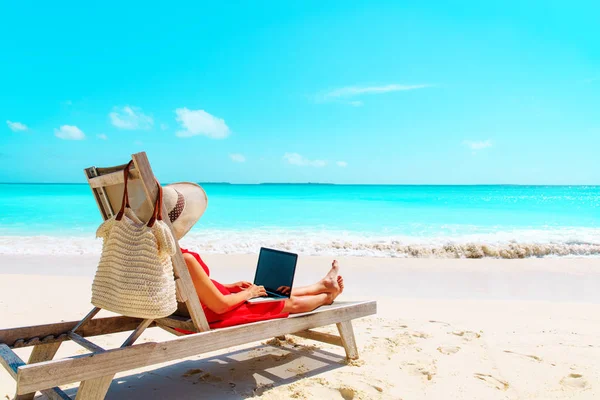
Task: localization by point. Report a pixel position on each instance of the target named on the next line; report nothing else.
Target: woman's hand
(256, 291)
(242, 285)
(286, 290)
(238, 286)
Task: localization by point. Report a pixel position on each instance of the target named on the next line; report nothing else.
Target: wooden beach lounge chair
(95, 370)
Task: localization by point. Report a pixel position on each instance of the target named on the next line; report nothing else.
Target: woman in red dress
(226, 305)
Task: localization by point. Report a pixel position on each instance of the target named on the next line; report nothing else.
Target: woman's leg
(329, 283)
(300, 304)
(308, 298)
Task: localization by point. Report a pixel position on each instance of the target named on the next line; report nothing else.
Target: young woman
(225, 305)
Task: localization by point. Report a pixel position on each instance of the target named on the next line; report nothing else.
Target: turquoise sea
(398, 221)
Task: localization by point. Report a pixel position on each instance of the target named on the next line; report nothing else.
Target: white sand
(446, 329)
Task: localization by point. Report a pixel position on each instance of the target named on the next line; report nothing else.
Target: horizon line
(331, 184)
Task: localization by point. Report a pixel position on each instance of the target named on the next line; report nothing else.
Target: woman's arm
(210, 296)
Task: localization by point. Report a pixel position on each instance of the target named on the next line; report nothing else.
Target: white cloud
(351, 91)
(199, 122)
(164, 127)
(102, 136)
(297, 159)
(138, 143)
(342, 164)
(69, 132)
(356, 103)
(478, 145)
(237, 158)
(130, 118)
(16, 126)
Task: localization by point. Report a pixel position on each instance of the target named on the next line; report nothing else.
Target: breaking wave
(571, 242)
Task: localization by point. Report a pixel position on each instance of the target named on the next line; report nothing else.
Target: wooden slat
(9, 360)
(180, 290)
(85, 367)
(137, 332)
(320, 337)
(179, 267)
(88, 317)
(50, 332)
(100, 194)
(113, 178)
(175, 321)
(108, 170)
(94, 348)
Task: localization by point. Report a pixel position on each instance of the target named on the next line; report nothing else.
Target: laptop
(275, 269)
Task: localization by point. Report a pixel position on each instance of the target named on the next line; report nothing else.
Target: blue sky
(336, 91)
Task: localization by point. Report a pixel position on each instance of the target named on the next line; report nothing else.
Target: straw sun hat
(184, 202)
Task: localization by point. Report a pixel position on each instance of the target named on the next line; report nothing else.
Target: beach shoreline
(464, 329)
(501, 245)
(489, 221)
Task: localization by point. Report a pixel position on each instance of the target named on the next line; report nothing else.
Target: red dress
(242, 313)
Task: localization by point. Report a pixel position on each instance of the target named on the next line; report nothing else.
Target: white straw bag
(135, 274)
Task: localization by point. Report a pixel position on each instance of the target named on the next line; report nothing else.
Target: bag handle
(125, 201)
(156, 215)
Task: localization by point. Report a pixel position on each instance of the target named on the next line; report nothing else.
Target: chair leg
(40, 352)
(348, 340)
(94, 389)
(43, 352)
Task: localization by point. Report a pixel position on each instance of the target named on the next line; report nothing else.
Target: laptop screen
(275, 269)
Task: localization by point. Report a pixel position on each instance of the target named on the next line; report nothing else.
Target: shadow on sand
(236, 375)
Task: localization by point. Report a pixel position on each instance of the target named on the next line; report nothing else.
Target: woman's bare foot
(333, 283)
(340, 285)
(330, 281)
(331, 296)
(340, 282)
(333, 272)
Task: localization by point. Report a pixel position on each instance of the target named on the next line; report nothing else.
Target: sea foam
(509, 244)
